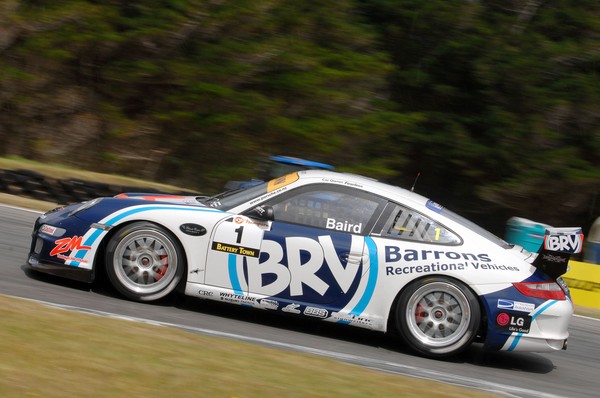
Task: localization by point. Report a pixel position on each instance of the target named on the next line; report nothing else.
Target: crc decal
(513, 322)
(515, 305)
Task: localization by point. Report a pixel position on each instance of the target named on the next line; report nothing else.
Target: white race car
(320, 244)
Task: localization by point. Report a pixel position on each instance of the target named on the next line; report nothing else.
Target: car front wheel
(437, 316)
(144, 261)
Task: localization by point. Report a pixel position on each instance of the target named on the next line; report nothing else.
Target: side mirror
(262, 213)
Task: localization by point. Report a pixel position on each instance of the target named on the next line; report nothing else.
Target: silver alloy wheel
(438, 314)
(145, 261)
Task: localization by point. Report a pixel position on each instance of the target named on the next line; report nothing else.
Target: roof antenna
(415, 183)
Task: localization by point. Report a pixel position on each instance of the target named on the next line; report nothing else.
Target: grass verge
(49, 352)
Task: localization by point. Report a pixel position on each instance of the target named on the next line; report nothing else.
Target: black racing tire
(144, 261)
(438, 317)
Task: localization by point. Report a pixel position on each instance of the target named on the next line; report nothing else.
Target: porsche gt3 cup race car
(320, 244)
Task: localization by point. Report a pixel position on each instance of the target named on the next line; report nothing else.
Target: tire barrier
(31, 184)
(583, 280)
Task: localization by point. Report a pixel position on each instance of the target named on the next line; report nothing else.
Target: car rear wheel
(144, 261)
(438, 317)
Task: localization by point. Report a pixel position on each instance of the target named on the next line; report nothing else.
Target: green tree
(506, 92)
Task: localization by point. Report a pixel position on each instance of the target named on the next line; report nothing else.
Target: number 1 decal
(239, 234)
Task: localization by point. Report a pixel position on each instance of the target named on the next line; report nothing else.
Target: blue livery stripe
(373, 269)
(369, 290)
(90, 241)
(233, 276)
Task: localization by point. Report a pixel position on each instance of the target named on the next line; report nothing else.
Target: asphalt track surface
(571, 373)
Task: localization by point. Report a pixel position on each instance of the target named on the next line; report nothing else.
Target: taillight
(544, 290)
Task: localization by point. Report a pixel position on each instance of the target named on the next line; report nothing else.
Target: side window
(334, 209)
(408, 224)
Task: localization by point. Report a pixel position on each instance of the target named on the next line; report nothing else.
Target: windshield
(230, 199)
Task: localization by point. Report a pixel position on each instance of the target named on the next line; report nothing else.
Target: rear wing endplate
(559, 244)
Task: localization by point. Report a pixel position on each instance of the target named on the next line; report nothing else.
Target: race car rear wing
(559, 244)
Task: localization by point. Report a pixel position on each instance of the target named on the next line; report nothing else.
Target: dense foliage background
(496, 103)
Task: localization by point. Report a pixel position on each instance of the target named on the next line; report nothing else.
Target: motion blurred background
(495, 103)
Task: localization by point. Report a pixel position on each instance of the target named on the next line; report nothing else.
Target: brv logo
(572, 243)
(303, 264)
(68, 244)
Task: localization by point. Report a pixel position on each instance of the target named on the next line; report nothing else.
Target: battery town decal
(234, 238)
(242, 251)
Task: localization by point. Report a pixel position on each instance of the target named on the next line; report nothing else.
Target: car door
(313, 251)
(234, 241)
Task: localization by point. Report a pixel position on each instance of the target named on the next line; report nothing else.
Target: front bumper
(62, 270)
(47, 233)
